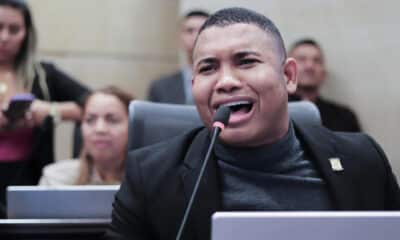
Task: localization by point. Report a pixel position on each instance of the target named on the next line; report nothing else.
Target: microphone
(221, 119)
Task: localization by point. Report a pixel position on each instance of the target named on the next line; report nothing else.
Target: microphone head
(222, 115)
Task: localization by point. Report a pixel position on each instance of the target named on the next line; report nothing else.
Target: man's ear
(290, 74)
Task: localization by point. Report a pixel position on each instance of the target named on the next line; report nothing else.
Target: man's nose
(309, 64)
(228, 82)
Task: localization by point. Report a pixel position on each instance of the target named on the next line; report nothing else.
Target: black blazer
(160, 179)
(169, 89)
(337, 117)
(334, 116)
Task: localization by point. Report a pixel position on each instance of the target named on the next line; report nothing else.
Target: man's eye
(189, 30)
(205, 69)
(247, 61)
(318, 61)
(301, 59)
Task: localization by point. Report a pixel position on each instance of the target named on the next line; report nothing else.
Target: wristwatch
(54, 113)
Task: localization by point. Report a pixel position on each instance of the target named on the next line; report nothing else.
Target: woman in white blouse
(105, 136)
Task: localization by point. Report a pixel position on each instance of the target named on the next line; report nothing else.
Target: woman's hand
(65, 111)
(39, 111)
(25, 122)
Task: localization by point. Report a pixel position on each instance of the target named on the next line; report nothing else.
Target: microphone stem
(216, 132)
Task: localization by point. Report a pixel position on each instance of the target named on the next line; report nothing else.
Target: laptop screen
(60, 202)
(306, 225)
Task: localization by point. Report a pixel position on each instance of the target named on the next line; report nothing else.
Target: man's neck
(308, 93)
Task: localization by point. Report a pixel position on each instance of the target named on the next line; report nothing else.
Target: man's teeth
(232, 104)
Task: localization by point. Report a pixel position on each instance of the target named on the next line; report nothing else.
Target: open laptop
(60, 202)
(306, 225)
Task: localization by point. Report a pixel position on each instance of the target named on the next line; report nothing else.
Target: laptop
(306, 225)
(40, 202)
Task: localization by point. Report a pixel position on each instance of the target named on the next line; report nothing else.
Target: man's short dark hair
(196, 13)
(230, 16)
(305, 41)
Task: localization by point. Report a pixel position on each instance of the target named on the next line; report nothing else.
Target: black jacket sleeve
(128, 216)
(392, 191)
(63, 87)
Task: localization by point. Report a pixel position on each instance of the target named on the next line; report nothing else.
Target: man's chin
(234, 138)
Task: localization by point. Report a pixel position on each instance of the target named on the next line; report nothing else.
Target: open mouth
(239, 106)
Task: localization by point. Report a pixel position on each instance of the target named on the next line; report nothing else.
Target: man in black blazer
(262, 160)
(177, 87)
(312, 75)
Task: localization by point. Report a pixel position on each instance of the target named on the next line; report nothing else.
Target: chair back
(150, 122)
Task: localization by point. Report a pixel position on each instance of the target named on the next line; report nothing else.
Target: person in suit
(262, 160)
(312, 75)
(177, 87)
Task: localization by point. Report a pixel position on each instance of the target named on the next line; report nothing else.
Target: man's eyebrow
(243, 54)
(206, 60)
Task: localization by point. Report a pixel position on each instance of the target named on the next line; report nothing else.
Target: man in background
(177, 87)
(312, 75)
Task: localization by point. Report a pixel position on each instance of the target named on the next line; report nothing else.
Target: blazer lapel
(320, 143)
(207, 200)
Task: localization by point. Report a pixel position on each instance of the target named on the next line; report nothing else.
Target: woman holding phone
(26, 144)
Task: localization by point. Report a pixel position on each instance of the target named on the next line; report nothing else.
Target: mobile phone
(18, 106)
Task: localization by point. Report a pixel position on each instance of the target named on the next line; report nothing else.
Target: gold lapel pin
(336, 165)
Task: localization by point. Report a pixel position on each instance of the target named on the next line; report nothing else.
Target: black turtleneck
(277, 176)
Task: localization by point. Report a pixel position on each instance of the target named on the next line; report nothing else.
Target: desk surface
(46, 229)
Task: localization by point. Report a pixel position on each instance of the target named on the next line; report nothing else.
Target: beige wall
(362, 48)
(122, 42)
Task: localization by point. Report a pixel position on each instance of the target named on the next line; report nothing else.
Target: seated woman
(105, 136)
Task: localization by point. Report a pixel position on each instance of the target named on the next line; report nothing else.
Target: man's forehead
(237, 28)
(224, 37)
(306, 48)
